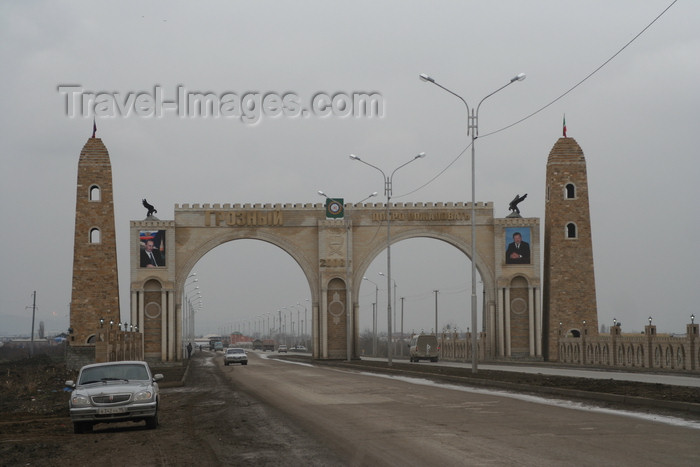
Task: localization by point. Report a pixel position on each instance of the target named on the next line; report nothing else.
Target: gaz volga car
(114, 392)
(235, 355)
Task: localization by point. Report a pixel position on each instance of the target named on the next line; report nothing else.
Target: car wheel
(82, 427)
(225, 363)
(152, 422)
(245, 363)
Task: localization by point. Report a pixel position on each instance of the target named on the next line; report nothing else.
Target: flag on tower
(94, 127)
(564, 123)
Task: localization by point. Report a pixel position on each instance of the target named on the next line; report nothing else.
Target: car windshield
(113, 373)
(236, 351)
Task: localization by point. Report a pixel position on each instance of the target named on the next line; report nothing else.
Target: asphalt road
(371, 420)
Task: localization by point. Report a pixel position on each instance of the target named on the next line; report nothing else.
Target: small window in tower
(570, 191)
(548, 190)
(571, 230)
(95, 235)
(95, 194)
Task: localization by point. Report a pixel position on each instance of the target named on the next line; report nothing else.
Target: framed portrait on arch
(152, 248)
(517, 245)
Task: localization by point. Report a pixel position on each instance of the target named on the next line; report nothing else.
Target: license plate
(111, 410)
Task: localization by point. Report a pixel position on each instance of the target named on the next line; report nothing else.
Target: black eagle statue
(150, 208)
(513, 206)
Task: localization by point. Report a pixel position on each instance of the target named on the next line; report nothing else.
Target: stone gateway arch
(334, 254)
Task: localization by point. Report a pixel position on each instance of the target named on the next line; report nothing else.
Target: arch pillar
(507, 323)
(164, 334)
(499, 330)
(531, 319)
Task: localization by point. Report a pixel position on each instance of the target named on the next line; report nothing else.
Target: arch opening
(220, 301)
(432, 263)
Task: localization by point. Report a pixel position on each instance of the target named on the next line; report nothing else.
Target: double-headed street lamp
(473, 127)
(388, 191)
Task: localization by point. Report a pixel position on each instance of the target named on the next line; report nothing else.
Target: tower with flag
(568, 293)
(95, 292)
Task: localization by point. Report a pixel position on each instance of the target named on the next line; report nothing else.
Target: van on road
(423, 347)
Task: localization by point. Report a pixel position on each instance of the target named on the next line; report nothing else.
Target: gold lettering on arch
(421, 216)
(243, 218)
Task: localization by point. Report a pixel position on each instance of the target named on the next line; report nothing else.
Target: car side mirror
(158, 377)
(70, 383)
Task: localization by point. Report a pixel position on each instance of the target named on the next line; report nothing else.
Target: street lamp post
(279, 313)
(473, 127)
(374, 316)
(388, 191)
(284, 327)
(401, 339)
(297, 306)
(394, 322)
(394, 302)
(188, 318)
(306, 324)
(436, 311)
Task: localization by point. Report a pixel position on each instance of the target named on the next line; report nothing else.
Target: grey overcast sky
(636, 120)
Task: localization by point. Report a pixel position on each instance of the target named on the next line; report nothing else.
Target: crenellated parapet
(315, 206)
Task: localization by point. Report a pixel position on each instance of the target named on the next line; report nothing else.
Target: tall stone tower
(95, 294)
(569, 298)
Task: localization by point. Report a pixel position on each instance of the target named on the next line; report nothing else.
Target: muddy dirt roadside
(204, 422)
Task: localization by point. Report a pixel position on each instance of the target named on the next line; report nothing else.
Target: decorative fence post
(692, 333)
(650, 331)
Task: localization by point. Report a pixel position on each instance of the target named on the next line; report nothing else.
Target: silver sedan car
(114, 392)
(235, 355)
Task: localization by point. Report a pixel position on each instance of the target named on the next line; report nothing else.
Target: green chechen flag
(334, 208)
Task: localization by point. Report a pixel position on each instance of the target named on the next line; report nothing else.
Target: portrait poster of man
(517, 245)
(152, 248)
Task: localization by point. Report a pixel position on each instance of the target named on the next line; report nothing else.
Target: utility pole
(31, 347)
